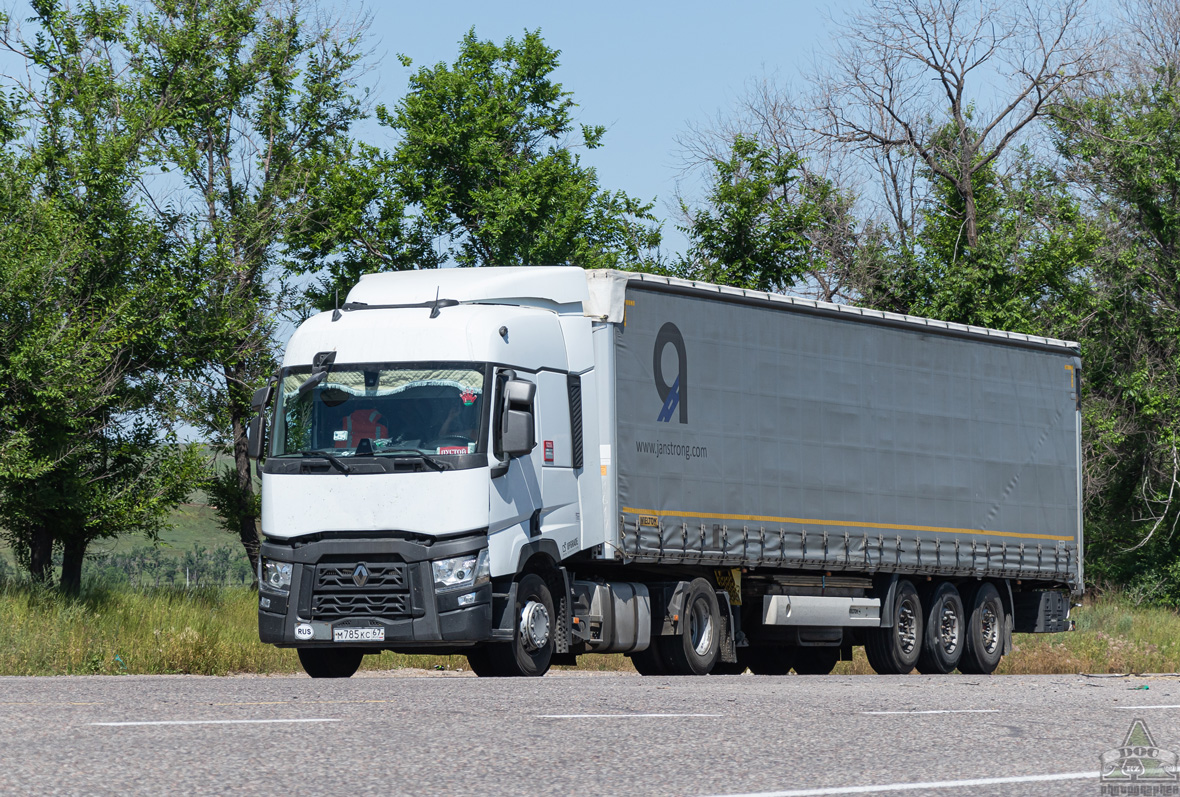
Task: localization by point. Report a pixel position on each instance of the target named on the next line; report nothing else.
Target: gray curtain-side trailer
(824, 451)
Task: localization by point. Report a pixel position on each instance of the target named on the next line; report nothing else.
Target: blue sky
(646, 70)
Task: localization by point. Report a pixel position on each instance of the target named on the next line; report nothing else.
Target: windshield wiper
(437, 464)
(332, 459)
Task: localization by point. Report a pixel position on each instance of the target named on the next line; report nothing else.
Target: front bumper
(399, 595)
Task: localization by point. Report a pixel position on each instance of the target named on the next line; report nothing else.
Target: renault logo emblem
(360, 576)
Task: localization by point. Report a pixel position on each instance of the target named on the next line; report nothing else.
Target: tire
(728, 668)
(330, 662)
(895, 651)
(942, 642)
(697, 647)
(768, 660)
(984, 645)
(480, 661)
(529, 653)
(649, 661)
(816, 661)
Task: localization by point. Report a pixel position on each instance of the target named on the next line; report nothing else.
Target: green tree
(1125, 148)
(1027, 271)
(756, 229)
(267, 97)
(86, 304)
(482, 173)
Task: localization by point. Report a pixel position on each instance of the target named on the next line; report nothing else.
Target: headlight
(276, 575)
(462, 571)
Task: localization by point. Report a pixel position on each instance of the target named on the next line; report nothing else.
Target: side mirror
(254, 435)
(261, 398)
(256, 431)
(518, 435)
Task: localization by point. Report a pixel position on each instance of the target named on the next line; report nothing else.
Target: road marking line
(299, 702)
(1136, 708)
(616, 716)
(39, 703)
(935, 784)
(207, 722)
(941, 711)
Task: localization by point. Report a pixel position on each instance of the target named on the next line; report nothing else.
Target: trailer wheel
(330, 662)
(942, 644)
(695, 650)
(816, 661)
(895, 651)
(984, 646)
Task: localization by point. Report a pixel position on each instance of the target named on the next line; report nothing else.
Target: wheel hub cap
(907, 628)
(534, 625)
(948, 629)
(990, 623)
(701, 628)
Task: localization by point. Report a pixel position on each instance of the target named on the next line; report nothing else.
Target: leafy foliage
(86, 301)
(753, 231)
(1126, 147)
(482, 174)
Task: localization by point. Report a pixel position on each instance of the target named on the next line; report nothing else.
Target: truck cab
(421, 450)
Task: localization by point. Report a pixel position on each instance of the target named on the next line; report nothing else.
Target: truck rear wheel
(984, 644)
(816, 661)
(649, 661)
(895, 651)
(942, 644)
(697, 647)
(330, 662)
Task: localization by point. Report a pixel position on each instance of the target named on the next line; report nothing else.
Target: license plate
(358, 634)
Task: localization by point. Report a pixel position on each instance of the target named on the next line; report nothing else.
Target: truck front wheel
(330, 662)
(531, 648)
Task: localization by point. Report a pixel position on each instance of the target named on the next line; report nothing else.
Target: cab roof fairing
(561, 289)
(464, 333)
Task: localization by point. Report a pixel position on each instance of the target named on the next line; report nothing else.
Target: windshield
(383, 409)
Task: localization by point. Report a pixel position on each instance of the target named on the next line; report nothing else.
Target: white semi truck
(524, 465)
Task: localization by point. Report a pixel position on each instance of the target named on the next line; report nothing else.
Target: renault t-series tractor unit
(525, 465)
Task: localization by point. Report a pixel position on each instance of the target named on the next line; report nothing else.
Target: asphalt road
(573, 733)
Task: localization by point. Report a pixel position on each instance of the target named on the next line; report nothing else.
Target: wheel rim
(948, 628)
(990, 628)
(701, 628)
(907, 628)
(534, 625)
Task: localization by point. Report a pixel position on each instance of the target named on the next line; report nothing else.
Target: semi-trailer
(525, 465)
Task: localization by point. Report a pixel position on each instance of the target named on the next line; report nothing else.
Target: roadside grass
(110, 632)
(213, 631)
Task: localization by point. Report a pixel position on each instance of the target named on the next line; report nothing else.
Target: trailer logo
(677, 393)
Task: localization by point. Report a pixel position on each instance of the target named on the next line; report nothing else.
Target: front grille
(384, 593)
